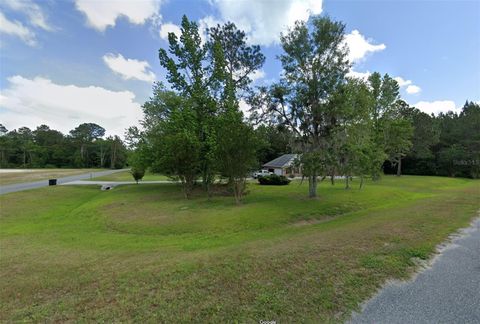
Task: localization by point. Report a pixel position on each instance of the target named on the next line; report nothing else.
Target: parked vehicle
(261, 173)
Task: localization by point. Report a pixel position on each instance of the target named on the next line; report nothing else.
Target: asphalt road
(44, 183)
(447, 292)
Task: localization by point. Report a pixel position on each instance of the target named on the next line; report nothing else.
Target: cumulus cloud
(205, 23)
(167, 28)
(31, 102)
(263, 21)
(244, 107)
(402, 82)
(413, 89)
(410, 87)
(17, 29)
(437, 107)
(359, 47)
(102, 14)
(35, 14)
(257, 75)
(359, 75)
(129, 68)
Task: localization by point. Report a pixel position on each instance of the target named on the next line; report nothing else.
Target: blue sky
(67, 62)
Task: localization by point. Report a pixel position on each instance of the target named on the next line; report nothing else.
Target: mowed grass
(29, 175)
(127, 176)
(143, 253)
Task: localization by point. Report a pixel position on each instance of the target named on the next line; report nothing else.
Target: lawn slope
(143, 253)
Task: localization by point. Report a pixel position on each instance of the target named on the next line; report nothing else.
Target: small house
(283, 165)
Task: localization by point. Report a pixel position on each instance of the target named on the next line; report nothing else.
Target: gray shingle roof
(282, 161)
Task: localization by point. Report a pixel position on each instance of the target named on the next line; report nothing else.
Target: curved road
(447, 292)
(44, 183)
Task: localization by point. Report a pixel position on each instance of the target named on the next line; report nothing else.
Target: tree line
(444, 145)
(84, 147)
(194, 130)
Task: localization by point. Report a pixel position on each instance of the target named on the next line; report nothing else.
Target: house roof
(282, 161)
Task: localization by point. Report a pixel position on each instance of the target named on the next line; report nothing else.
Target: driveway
(447, 292)
(44, 183)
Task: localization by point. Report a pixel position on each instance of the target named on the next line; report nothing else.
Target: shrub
(274, 180)
(137, 173)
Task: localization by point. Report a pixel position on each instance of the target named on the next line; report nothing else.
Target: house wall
(278, 171)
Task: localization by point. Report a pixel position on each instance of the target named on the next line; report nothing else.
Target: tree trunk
(113, 156)
(82, 153)
(238, 191)
(102, 156)
(332, 179)
(312, 186)
(347, 183)
(361, 182)
(187, 185)
(399, 167)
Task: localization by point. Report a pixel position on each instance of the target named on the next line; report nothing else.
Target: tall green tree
(236, 151)
(50, 145)
(236, 144)
(397, 132)
(385, 93)
(4, 146)
(196, 75)
(315, 64)
(169, 143)
(84, 135)
(353, 140)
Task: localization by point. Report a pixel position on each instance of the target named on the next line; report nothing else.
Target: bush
(137, 173)
(274, 180)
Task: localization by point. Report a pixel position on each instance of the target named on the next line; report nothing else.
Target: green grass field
(127, 176)
(143, 253)
(29, 175)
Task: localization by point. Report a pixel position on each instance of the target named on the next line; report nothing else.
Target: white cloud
(16, 28)
(244, 107)
(413, 89)
(257, 75)
(402, 82)
(263, 21)
(359, 75)
(129, 68)
(167, 28)
(204, 24)
(31, 102)
(436, 107)
(360, 47)
(32, 10)
(101, 14)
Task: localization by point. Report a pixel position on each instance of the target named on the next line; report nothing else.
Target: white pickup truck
(261, 173)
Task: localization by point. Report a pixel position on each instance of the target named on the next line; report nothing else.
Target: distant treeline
(444, 145)
(84, 147)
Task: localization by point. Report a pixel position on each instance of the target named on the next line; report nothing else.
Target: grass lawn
(10, 176)
(143, 253)
(127, 176)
